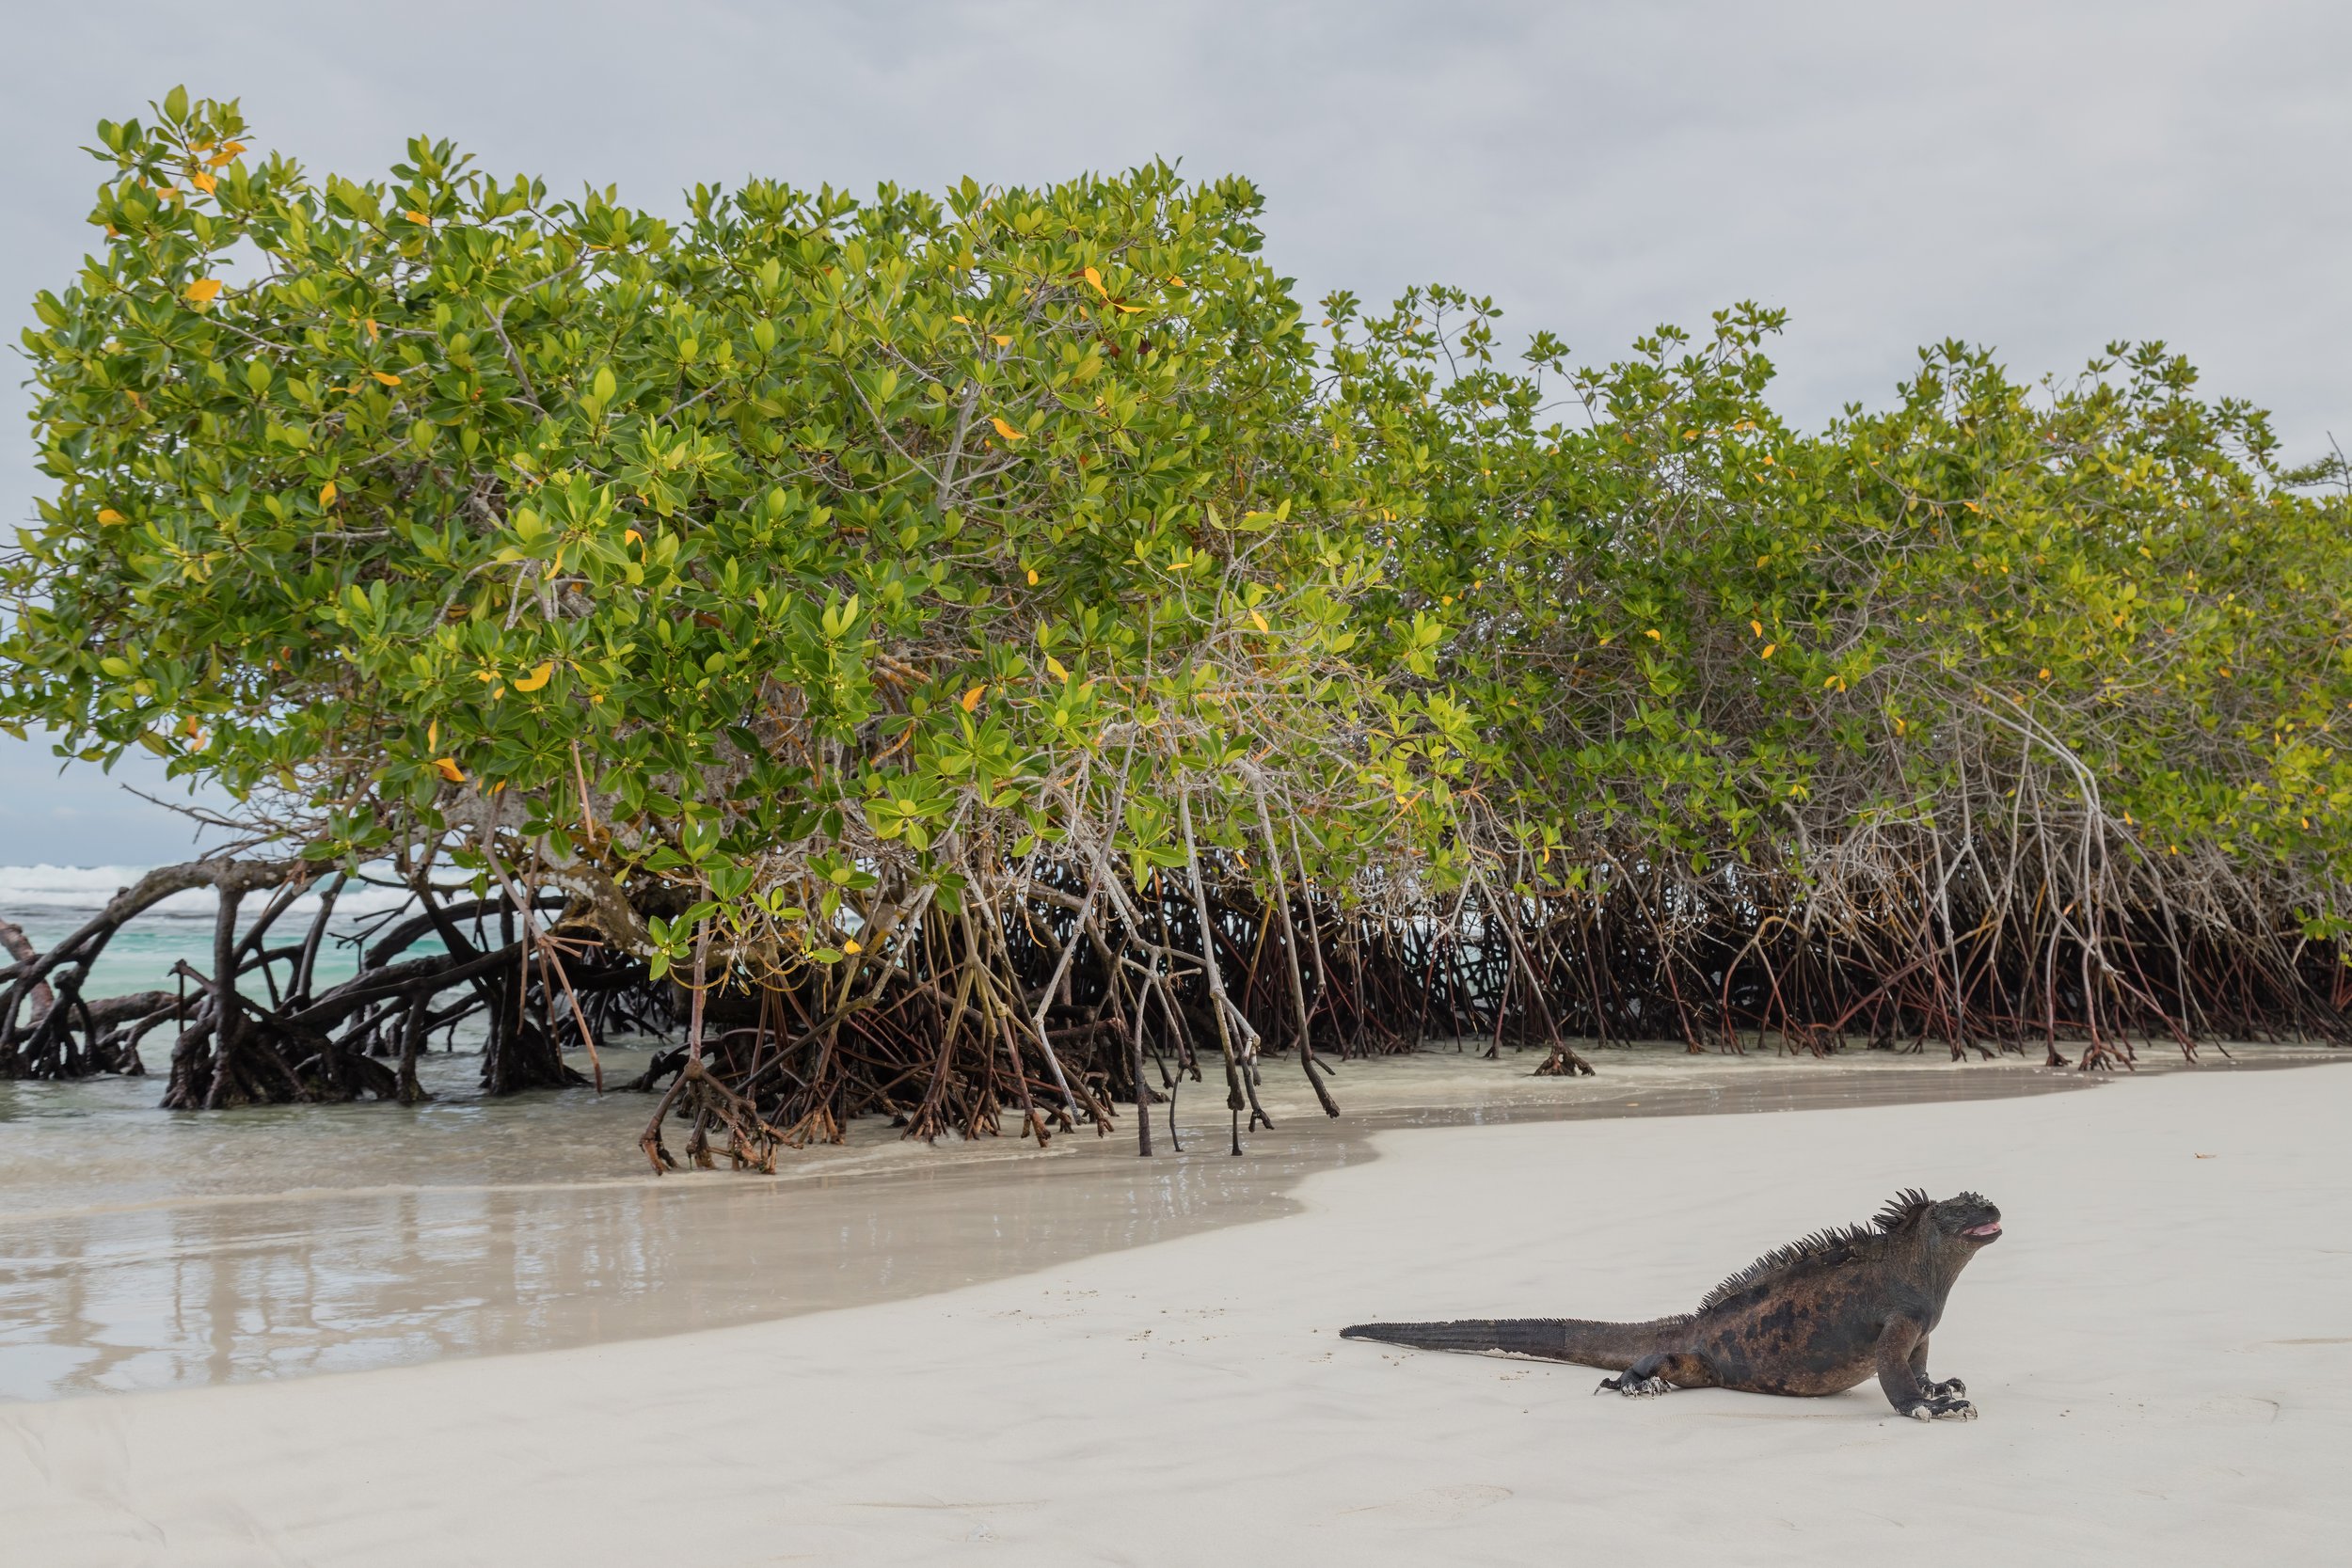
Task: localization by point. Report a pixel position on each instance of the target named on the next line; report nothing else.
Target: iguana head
(1965, 1221)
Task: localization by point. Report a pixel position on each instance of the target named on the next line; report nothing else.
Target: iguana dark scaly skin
(1818, 1317)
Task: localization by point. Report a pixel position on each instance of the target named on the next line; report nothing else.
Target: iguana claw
(1635, 1388)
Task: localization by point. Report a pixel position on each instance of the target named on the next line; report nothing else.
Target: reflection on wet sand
(141, 1251)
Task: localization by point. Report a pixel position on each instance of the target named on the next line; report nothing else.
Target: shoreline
(196, 1288)
(1161, 1403)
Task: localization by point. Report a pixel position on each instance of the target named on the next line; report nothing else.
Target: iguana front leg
(1919, 1370)
(1902, 1354)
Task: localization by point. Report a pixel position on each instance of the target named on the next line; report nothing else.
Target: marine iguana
(1816, 1317)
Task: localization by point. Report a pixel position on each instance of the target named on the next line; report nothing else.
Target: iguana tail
(1612, 1346)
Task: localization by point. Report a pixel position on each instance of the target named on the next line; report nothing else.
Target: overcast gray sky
(2043, 178)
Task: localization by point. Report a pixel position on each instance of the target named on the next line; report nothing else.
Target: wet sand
(142, 1251)
(2159, 1347)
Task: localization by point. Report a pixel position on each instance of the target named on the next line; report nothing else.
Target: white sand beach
(2161, 1347)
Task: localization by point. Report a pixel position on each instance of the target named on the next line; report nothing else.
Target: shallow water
(140, 1249)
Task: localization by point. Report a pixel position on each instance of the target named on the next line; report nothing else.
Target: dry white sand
(2161, 1347)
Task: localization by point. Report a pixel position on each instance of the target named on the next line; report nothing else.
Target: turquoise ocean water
(50, 902)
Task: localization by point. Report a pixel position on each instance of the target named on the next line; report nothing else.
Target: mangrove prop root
(1042, 1002)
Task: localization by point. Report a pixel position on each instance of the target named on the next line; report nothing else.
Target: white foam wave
(51, 890)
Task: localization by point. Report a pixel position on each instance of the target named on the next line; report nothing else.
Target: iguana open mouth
(1988, 1231)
